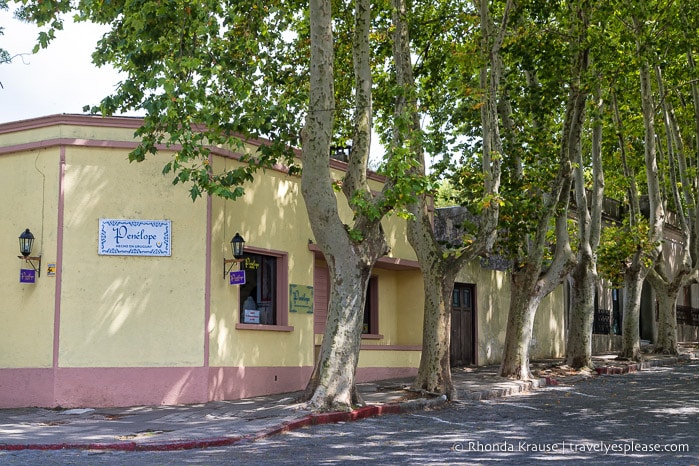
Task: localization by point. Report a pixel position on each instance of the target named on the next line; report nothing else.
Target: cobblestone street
(647, 417)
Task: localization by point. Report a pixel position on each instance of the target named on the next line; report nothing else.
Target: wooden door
(462, 325)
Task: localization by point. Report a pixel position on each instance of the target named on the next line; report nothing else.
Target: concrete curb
(520, 387)
(287, 426)
(130, 446)
(639, 366)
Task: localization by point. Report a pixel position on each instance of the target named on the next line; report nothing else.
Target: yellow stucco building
(104, 322)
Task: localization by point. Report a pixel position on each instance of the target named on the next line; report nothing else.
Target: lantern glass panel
(26, 240)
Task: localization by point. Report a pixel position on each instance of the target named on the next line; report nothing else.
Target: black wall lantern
(238, 248)
(26, 241)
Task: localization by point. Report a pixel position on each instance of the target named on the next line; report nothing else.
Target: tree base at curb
(667, 351)
(635, 356)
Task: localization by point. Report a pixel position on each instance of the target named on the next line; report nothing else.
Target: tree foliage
(205, 74)
(618, 245)
(4, 54)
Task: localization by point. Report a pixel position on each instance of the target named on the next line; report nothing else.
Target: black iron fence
(687, 315)
(601, 325)
(607, 322)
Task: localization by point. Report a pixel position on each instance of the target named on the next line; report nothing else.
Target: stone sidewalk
(229, 422)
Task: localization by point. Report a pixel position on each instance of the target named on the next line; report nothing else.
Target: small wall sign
(51, 270)
(27, 276)
(251, 316)
(237, 277)
(301, 299)
(134, 237)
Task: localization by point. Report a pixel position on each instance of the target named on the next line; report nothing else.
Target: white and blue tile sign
(134, 237)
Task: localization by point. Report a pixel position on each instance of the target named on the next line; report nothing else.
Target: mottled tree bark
(532, 280)
(332, 384)
(584, 275)
(434, 372)
(529, 286)
(579, 343)
(642, 261)
(520, 325)
(439, 266)
(667, 322)
(350, 252)
(630, 336)
(673, 271)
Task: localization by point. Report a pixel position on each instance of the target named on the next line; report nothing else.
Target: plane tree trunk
(440, 265)
(643, 260)
(673, 269)
(528, 287)
(666, 342)
(630, 336)
(332, 385)
(350, 251)
(533, 278)
(520, 324)
(579, 343)
(584, 275)
(434, 372)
